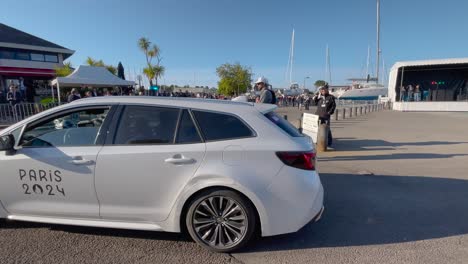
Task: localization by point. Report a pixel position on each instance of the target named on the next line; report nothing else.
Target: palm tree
(112, 69)
(96, 63)
(150, 74)
(90, 61)
(144, 45)
(158, 72)
(151, 71)
(65, 70)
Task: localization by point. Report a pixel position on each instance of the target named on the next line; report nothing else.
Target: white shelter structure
(429, 85)
(90, 76)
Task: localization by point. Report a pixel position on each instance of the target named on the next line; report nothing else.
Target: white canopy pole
(58, 92)
(53, 96)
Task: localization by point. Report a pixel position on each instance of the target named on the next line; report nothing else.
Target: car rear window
(283, 124)
(217, 126)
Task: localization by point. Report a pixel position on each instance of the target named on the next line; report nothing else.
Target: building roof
(14, 38)
(400, 64)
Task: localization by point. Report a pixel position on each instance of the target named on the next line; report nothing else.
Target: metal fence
(10, 114)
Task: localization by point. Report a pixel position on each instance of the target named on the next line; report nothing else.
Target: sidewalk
(396, 191)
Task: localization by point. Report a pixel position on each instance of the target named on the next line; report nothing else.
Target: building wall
(431, 106)
(30, 64)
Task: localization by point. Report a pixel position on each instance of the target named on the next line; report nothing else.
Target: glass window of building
(5, 54)
(51, 58)
(37, 57)
(22, 56)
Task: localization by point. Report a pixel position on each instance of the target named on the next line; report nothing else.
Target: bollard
(299, 120)
(336, 115)
(360, 110)
(351, 112)
(322, 138)
(344, 113)
(285, 117)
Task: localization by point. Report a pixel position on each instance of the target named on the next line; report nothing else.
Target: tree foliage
(99, 63)
(234, 79)
(121, 71)
(64, 71)
(319, 83)
(153, 71)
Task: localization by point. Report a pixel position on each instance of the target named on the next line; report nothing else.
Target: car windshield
(283, 124)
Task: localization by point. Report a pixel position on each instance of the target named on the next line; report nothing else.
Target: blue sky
(196, 36)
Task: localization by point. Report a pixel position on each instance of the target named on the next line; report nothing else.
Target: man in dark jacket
(74, 95)
(325, 108)
(13, 96)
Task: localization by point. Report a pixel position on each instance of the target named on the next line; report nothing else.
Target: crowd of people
(412, 93)
(324, 101)
(75, 95)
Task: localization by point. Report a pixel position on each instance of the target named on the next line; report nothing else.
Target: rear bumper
(294, 199)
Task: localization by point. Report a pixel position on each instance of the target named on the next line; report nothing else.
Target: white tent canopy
(90, 76)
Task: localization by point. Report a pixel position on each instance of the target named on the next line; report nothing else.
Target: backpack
(273, 97)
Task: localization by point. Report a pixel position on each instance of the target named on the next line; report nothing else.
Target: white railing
(10, 114)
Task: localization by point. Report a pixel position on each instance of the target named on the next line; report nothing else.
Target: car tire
(221, 220)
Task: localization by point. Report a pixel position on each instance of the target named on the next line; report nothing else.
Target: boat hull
(364, 94)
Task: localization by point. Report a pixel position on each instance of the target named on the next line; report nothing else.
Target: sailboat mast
(327, 66)
(378, 43)
(368, 61)
(292, 58)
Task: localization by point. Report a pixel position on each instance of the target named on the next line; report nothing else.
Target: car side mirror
(7, 143)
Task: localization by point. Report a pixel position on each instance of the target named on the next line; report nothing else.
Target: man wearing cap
(266, 95)
(325, 108)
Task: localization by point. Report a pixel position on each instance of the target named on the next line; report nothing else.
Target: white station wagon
(221, 170)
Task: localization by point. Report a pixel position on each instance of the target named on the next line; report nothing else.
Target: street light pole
(305, 81)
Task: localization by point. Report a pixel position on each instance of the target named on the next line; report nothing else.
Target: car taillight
(300, 160)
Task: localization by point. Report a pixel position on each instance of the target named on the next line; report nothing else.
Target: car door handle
(179, 160)
(81, 161)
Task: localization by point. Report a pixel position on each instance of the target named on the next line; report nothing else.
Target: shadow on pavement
(398, 156)
(380, 209)
(352, 144)
(360, 210)
(95, 231)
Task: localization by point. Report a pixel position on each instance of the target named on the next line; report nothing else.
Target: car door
(154, 153)
(52, 172)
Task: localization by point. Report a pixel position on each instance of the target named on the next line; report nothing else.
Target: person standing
(410, 92)
(88, 94)
(13, 96)
(267, 96)
(307, 102)
(73, 95)
(417, 93)
(325, 108)
(402, 93)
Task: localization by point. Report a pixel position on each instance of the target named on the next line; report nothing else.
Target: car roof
(198, 103)
(226, 106)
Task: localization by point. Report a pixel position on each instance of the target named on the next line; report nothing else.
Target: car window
(147, 125)
(16, 134)
(78, 128)
(283, 124)
(187, 132)
(217, 126)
